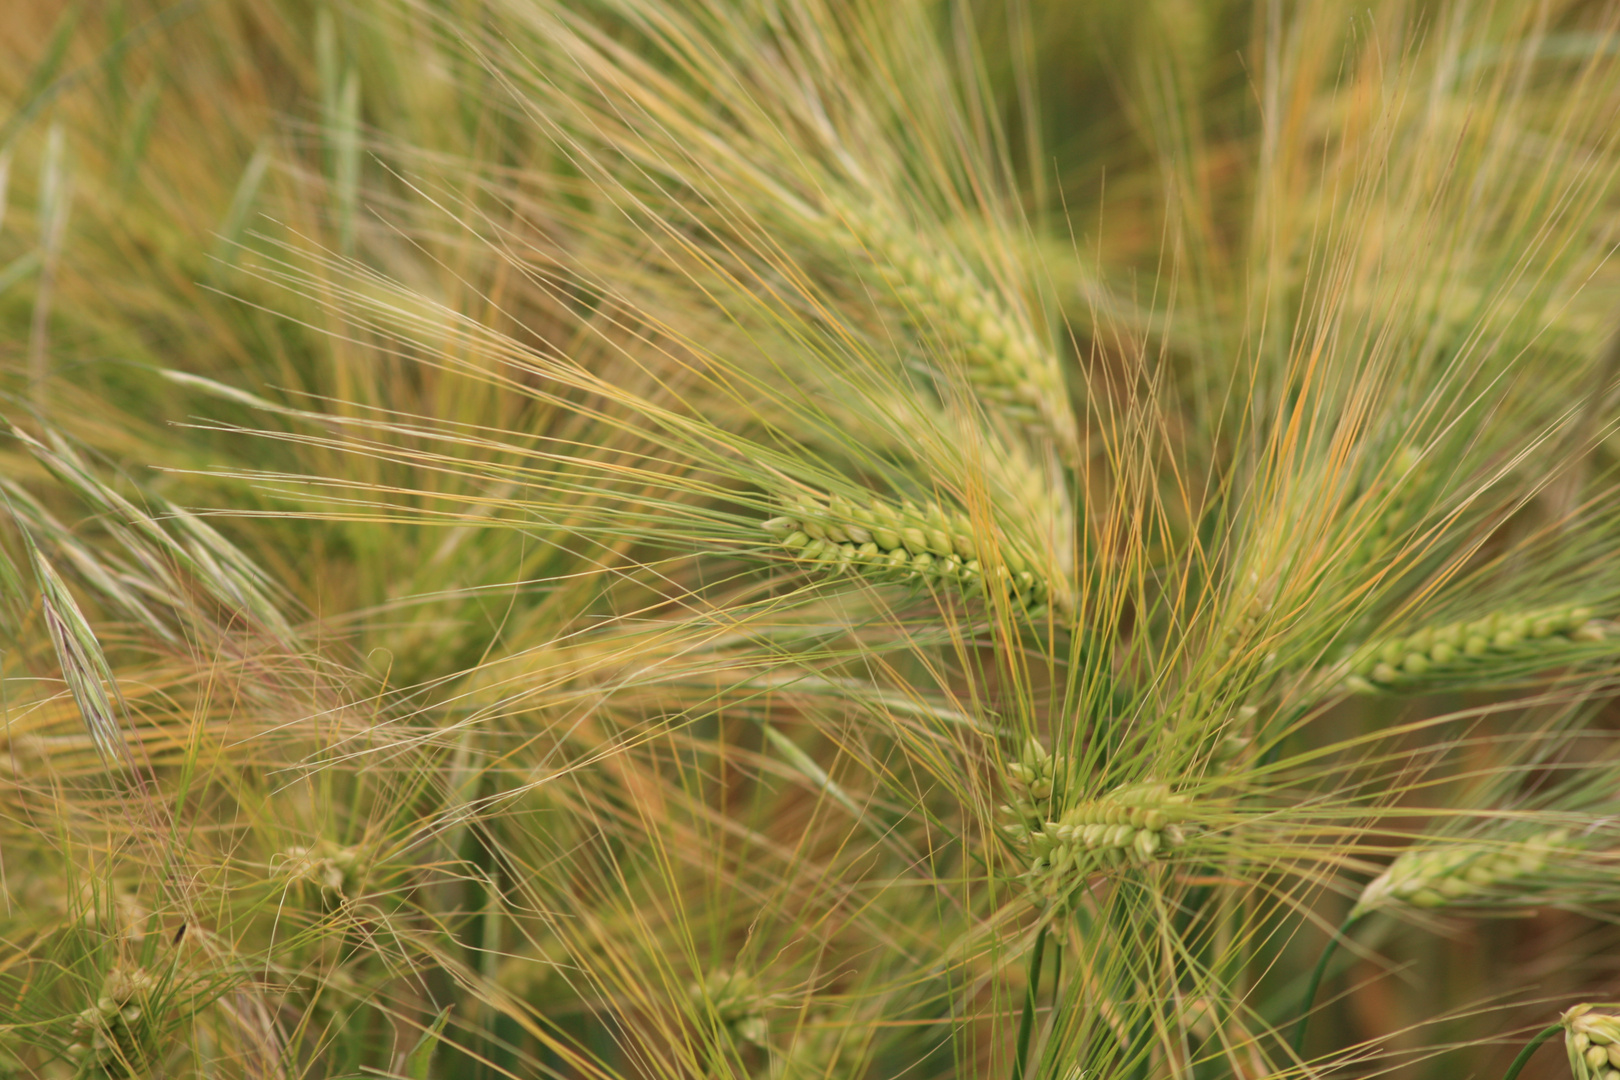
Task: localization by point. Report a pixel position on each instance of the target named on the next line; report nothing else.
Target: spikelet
(733, 999)
(911, 544)
(1592, 1041)
(1022, 484)
(1408, 471)
(1238, 651)
(1493, 649)
(1006, 363)
(1460, 873)
(117, 1034)
(1134, 823)
(1030, 786)
(339, 872)
(1254, 612)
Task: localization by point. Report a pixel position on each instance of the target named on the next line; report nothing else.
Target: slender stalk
(1316, 981)
(1529, 1049)
(1027, 1021)
(1057, 972)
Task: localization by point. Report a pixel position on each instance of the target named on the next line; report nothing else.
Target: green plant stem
(1529, 1049)
(1057, 971)
(1027, 1021)
(1316, 982)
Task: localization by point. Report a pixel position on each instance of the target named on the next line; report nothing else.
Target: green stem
(1027, 1021)
(1530, 1048)
(1057, 972)
(1316, 981)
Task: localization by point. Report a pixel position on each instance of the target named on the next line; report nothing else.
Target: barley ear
(1005, 361)
(1592, 1040)
(1479, 652)
(84, 666)
(732, 998)
(1442, 876)
(928, 545)
(117, 1033)
(1131, 825)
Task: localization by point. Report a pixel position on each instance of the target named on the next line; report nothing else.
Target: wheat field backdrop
(809, 539)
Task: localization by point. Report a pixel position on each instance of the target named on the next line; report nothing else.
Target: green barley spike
(736, 1003)
(1005, 361)
(1592, 1040)
(1492, 649)
(1031, 781)
(1135, 823)
(1433, 877)
(908, 543)
(117, 1034)
(1408, 471)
